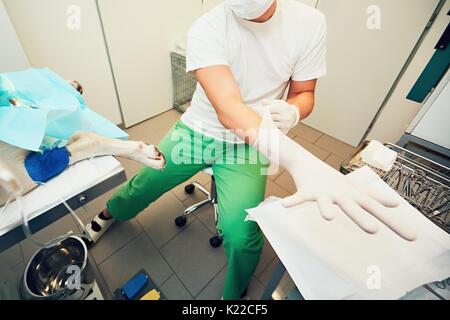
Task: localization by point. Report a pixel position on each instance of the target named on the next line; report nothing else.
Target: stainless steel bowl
(47, 275)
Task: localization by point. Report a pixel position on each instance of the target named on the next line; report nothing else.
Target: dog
(14, 178)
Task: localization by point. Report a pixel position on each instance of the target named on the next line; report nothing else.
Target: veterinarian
(246, 54)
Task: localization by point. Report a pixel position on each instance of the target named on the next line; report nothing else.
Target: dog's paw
(149, 155)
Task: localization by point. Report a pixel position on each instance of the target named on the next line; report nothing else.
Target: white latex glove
(318, 182)
(284, 115)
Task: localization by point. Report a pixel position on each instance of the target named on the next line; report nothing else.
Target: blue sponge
(41, 167)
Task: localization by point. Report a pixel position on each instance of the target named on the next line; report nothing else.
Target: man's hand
(318, 182)
(284, 115)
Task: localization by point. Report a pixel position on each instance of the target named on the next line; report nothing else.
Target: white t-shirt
(263, 57)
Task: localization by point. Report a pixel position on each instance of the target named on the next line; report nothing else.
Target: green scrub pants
(240, 181)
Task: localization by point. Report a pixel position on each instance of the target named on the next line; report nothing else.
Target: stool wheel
(189, 189)
(180, 221)
(215, 241)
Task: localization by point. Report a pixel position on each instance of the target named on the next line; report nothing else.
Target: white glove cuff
(298, 115)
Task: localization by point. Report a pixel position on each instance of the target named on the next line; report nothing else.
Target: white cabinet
(363, 62)
(51, 38)
(432, 124)
(140, 35)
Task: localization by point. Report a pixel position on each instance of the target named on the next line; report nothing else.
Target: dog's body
(83, 145)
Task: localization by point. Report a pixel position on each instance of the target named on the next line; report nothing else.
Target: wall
(13, 56)
(78, 54)
(364, 62)
(399, 112)
(140, 37)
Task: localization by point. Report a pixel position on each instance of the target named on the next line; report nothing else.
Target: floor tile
(173, 289)
(10, 278)
(11, 257)
(314, 149)
(274, 176)
(154, 129)
(158, 220)
(285, 181)
(334, 161)
(139, 254)
(267, 256)
(206, 216)
(265, 276)
(335, 146)
(114, 239)
(192, 258)
(255, 289)
(201, 178)
(273, 189)
(214, 289)
(306, 133)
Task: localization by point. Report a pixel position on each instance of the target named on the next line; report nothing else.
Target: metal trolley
(423, 183)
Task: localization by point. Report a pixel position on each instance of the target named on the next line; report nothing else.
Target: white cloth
(263, 57)
(336, 260)
(379, 156)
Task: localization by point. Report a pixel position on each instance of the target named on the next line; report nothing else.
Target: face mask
(249, 9)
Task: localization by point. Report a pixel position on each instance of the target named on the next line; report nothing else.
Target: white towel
(378, 156)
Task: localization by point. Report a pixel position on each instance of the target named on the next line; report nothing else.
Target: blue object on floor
(132, 288)
(42, 166)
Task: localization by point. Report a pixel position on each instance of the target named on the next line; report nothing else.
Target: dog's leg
(8, 181)
(85, 145)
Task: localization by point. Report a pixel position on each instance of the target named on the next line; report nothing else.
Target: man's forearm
(304, 101)
(242, 121)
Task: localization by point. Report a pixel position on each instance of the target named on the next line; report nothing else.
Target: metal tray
(423, 183)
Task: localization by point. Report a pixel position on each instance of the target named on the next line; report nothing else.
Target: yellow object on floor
(152, 295)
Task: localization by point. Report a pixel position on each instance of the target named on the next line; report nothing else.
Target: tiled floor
(180, 261)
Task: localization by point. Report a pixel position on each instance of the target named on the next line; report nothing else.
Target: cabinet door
(51, 37)
(363, 62)
(140, 35)
(434, 125)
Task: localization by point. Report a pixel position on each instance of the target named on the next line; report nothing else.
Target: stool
(180, 221)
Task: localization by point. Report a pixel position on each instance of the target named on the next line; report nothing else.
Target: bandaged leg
(13, 158)
(9, 183)
(85, 145)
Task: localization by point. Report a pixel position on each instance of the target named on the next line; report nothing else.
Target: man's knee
(243, 240)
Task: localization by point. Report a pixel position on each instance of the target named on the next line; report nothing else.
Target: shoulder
(303, 15)
(213, 21)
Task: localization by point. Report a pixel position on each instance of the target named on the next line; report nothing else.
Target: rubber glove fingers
(387, 217)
